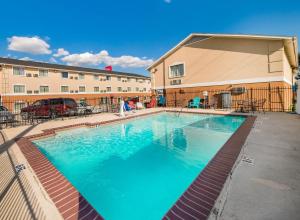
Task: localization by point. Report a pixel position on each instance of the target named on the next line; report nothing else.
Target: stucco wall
(287, 70)
(55, 81)
(222, 60)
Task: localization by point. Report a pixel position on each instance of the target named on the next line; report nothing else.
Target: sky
(130, 34)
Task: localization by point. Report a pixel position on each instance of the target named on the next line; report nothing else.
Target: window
(65, 75)
(108, 78)
(128, 80)
(103, 100)
(119, 78)
(81, 88)
(176, 70)
(96, 77)
(96, 89)
(119, 89)
(64, 88)
(18, 106)
(19, 89)
(44, 89)
(145, 89)
(56, 101)
(129, 89)
(80, 76)
(136, 80)
(108, 89)
(137, 89)
(18, 71)
(43, 73)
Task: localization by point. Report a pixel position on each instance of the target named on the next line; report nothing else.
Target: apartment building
(27, 81)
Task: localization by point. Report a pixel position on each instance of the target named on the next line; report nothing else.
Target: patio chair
(161, 101)
(131, 105)
(195, 103)
(151, 104)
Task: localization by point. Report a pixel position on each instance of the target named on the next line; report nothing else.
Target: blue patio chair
(195, 103)
(161, 101)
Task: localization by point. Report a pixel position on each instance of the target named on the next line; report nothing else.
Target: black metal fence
(272, 99)
(12, 111)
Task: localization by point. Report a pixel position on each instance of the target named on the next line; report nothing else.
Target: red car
(50, 108)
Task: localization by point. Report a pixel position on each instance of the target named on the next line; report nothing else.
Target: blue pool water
(138, 169)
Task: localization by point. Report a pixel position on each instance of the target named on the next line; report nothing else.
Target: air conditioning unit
(76, 91)
(76, 78)
(28, 75)
(71, 91)
(29, 91)
(71, 77)
(36, 91)
(35, 75)
(175, 82)
(238, 90)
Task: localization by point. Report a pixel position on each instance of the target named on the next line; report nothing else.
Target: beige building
(221, 61)
(27, 81)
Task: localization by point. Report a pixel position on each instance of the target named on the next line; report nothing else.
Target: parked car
(5, 115)
(50, 108)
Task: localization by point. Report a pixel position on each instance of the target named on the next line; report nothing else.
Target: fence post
(251, 99)
(175, 99)
(269, 90)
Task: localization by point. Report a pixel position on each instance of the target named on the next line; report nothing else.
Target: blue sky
(130, 34)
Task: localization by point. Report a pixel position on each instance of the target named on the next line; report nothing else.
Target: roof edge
(38, 64)
(250, 36)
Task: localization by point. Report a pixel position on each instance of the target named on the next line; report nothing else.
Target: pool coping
(199, 199)
(196, 202)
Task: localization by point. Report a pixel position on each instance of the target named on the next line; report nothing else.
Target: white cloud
(26, 58)
(168, 1)
(53, 60)
(61, 52)
(33, 45)
(103, 57)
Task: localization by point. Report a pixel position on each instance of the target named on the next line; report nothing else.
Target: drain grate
(248, 160)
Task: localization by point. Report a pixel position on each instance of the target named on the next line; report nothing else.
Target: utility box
(226, 100)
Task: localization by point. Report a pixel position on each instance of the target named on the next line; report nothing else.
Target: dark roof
(66, 67)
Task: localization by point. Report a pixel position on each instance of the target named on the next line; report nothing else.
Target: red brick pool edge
(199, 199)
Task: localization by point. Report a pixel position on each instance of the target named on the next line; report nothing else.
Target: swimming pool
(140, 167)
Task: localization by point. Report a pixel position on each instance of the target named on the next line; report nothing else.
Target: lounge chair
(131, 105)
(151, 104)
(195, 103)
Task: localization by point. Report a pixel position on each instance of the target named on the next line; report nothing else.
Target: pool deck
(35, 202)
(269, 188)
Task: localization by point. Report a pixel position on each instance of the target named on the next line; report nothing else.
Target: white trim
(44, 92)
(64, 92)
(84, 88)
(18, 67)
(21, 93)
(227, 82)
(175, 64)
(43, 69)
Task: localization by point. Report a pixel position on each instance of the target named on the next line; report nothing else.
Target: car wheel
(25, 115)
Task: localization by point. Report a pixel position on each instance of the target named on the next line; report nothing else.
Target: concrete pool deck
(270, 187)
(239, 186)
